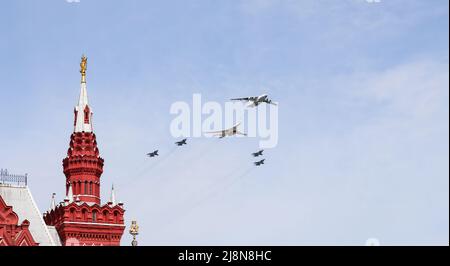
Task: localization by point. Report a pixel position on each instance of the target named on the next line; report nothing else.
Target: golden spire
(83, 66)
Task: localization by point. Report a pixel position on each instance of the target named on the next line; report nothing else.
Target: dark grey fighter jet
(153, 154)
(258, 163)
(258, 153)
(181, 142)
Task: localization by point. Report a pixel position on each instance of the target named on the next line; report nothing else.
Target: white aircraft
(228, 132)
(255, 100)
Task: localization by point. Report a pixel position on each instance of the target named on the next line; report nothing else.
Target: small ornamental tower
(81, 219)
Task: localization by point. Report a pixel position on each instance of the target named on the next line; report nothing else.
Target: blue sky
(363, 118)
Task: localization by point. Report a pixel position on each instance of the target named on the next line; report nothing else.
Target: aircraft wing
(244, 99)
(235, 126)
(233, 129)
(240, 99)
(215, 132)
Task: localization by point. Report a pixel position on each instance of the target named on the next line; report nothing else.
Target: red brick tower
(81, 219)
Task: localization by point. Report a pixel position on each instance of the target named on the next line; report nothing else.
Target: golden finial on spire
(134, 231)
(83, 66)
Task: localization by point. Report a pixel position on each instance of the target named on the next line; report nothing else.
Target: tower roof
(83, 113)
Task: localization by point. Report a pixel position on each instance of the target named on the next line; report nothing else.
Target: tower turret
(83, 165)
(81, 219)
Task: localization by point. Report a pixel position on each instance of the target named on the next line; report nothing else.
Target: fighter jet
(153, 154)
(259, 153)
(255, 100)
(258, 163)
(181, 142)
(228, 132)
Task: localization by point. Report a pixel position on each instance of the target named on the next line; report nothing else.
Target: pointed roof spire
(53, 203)
(83, 113)
(112, 198)
(70, 193)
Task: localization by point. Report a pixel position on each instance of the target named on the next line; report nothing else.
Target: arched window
(85, 187)
(90, 188)
(94, 216)
(116, 217)
(83, 214)
(105, 216)
(72, 214)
